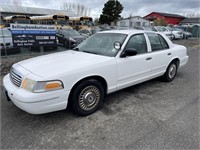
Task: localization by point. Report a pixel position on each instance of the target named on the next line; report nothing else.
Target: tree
(160, 22)
(77, 9)
(96, 21)
(111, 12)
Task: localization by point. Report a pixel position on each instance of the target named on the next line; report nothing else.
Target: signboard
(33, 35)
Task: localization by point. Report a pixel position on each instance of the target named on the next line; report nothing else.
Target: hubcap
(172, 71)
(89, 97)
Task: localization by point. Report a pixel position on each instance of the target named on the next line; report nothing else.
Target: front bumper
(178, 36)
(170, 36)
(35, 103)
(184, 61)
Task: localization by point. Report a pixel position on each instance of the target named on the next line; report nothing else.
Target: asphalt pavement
(151, 115)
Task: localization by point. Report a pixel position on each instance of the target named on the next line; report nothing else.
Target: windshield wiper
(90, 52)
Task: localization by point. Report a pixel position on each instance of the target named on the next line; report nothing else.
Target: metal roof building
(169, 18)
(8, 10)
(191, 21)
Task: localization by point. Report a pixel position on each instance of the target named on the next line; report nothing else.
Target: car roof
(127, 31)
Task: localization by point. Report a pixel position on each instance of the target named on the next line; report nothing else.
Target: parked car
(89, 31)
(186, 35)
(144, 28)
(104, 63)
(6, 43)
(69, 38)
(161, 30)
(176, 34)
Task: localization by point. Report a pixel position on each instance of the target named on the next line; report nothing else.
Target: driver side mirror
(129, 52)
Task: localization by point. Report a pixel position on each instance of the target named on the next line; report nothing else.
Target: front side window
(137, 42)
(157, 42)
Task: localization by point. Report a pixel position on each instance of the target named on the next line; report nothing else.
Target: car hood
(61, 63)
(78, 37)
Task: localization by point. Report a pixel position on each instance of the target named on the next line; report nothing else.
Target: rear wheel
(87, 97)
(170, 72)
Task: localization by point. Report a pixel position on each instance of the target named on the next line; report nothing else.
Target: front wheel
(66, 44)
(170, 72)
(87, 97)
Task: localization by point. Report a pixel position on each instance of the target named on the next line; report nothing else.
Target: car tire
(170, 72)
(173, 37)
(87, 97)
(66, 44)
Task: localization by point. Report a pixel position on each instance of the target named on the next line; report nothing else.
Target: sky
(131, 7)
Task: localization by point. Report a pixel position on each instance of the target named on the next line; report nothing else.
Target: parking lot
(151, 115)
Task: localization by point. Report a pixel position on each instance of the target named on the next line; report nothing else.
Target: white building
(132, 22)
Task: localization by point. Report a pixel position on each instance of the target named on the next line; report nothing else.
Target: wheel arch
(96, 77)
(177, 60)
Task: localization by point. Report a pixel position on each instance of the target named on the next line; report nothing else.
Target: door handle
(169, 54)
(149, 58)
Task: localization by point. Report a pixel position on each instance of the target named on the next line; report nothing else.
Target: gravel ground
(192, 43)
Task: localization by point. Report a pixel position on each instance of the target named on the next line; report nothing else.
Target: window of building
(137, 24)
(122, 24)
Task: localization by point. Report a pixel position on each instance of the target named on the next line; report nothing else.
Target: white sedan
(105, 62)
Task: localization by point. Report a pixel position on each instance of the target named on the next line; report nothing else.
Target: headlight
(41, 86)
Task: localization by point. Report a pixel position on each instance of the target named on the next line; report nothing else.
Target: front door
(137, 68)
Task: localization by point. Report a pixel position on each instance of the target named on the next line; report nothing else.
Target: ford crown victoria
(80, 79)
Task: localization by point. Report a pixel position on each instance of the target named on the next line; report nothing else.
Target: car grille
(15, 78)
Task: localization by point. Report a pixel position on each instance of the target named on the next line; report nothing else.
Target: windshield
(87, 23)
(62, 22)
(71, 32)
(170, 29)
(177, 29)
(4, 33)
(148, 29)
(23, 21)
(160, 29)
(102, 44)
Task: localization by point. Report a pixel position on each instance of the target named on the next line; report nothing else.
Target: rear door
(160, 52)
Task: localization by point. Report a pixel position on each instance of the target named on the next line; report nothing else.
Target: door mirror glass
(117, 45)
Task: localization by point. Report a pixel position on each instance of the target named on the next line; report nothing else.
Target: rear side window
(157, 42)
(163, 42)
